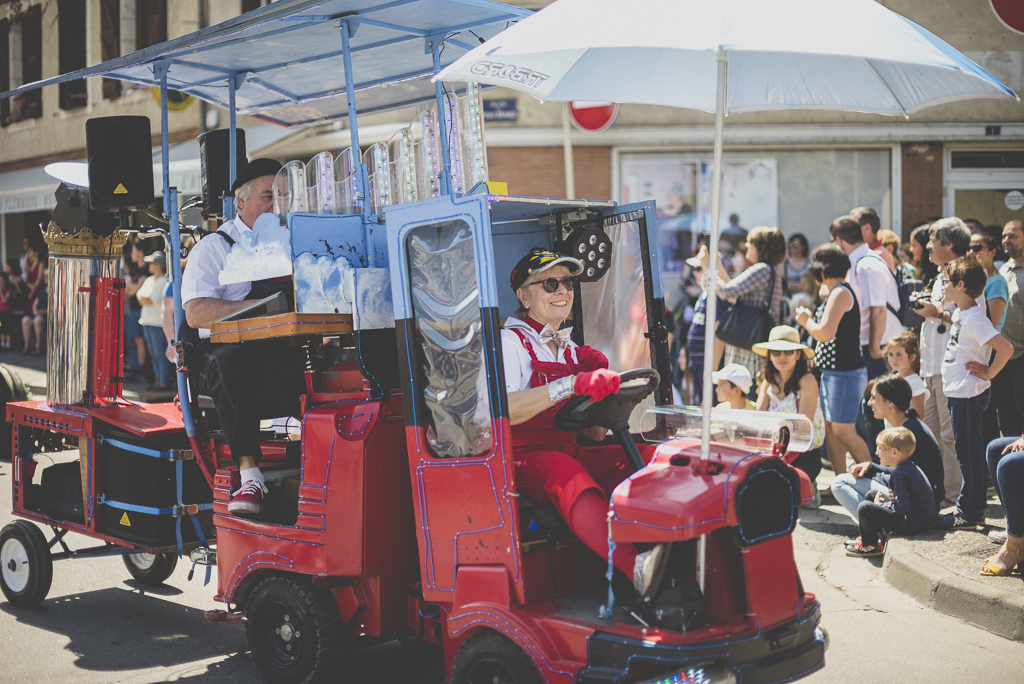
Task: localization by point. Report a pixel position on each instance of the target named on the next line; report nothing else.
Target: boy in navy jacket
(908, 508)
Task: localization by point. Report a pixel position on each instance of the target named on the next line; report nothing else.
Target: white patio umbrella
(727, 56)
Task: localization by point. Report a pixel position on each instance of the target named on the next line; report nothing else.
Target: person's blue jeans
(968, 418)
(156, 343)
(132, 331)
(850, 491)
(876, 367)
(1008, 477)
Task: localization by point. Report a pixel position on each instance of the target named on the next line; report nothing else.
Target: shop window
(71, 41)
(987, 159)
(24, 64)
(110, 42)
(150, 23)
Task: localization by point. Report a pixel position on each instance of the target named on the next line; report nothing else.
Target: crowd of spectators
(23, 302)
(907, 359)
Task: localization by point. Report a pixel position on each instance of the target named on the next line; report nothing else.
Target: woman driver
(543, 368)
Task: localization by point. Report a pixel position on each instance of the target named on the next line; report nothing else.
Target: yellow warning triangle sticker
(125, 521)
(119, 190)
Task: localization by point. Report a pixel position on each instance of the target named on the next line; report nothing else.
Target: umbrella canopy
(852, 55)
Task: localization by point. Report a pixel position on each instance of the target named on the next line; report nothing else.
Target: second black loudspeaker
(214, 160)
(120, 153)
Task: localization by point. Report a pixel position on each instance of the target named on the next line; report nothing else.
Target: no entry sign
(592, 117)
(1010, 12)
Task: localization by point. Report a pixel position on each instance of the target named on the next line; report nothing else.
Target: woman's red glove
(588, 358)
(597, 384)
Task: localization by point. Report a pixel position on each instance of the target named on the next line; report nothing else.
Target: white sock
(251, 474)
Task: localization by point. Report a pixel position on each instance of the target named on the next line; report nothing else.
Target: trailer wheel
(150, 568)
(26, 569)
(293, 631)
(489, 658)
(11, 389)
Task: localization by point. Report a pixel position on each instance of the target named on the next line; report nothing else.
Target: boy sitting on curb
(908, 507)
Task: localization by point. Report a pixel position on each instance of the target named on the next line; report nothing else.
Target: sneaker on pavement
(954, 521)
(248, 500)
(997, 535)
(816, 503)
(644, 567)
(851, 542)
(861, 551)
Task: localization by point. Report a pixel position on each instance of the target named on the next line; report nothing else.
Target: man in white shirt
(949, 240)
(869, 226)
(877, 294)
(246, 381)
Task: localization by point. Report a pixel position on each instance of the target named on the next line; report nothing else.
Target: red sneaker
(248, 500)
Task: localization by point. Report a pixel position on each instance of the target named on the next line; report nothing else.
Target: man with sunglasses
(543, 369)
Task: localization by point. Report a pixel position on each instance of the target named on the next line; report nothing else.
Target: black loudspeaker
(214, 161)
(72, 213)
(120, 155)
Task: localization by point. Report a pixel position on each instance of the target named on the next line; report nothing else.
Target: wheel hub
(15, 564)
(143, 561)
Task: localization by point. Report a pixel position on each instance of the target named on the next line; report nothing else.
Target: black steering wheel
(613, 411)
(580, 413)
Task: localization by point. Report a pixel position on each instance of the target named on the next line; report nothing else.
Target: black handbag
(744, 325)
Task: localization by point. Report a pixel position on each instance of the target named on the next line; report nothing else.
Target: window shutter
(5, 69)
(71, 46)
(32, 60)
(110, 42)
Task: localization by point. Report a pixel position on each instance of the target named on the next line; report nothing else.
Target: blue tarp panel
(293, 55)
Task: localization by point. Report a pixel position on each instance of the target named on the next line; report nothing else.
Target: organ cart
(395, 511)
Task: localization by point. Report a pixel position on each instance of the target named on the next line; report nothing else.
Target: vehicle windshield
(755, 430)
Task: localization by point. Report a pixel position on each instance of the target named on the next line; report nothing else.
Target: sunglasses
(551, 284)
(782, 352)
(976, 248)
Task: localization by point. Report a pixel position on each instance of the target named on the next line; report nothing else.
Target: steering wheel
(613, 411)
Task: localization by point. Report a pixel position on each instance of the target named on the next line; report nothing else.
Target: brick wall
(922, 183)
(540, 171)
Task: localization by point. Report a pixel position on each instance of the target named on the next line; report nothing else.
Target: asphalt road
(98, 625)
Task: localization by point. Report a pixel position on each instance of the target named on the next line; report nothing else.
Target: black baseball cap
(539, 260)
(263, 166)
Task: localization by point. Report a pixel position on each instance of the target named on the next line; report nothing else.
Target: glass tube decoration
(377, 160)
(290, 189)
(320, 184)
(452, 116)
(347, 199)
(428, 156)
(474, 149)
(403, 167)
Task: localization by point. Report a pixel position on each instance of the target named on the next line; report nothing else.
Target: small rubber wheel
(293, 631)
(150, 568)
(11, 389)
(489, 658)
(26, 569)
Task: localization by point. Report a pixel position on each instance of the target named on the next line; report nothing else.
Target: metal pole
(442, 119)
(348, 29)
(165, 139)
(229, 202)
(570, 164)
(179, 314)
(711, 281)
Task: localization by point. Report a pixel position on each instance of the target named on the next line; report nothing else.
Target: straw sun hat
(782, 338)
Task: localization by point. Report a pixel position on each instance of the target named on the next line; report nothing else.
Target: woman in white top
(788, 386)
(151, 296)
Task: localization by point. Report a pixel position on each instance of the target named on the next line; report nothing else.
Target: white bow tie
(560, 337)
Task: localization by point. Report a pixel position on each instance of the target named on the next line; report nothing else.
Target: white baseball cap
(736, 374)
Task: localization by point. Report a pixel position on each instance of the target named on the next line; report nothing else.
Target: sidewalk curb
(981, 604)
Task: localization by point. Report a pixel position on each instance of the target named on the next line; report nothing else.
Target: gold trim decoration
(84, 243)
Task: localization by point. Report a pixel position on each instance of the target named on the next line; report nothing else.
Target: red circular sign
(592, 117)
(1010, 12)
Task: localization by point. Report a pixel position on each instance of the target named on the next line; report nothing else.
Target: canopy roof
(291, 53)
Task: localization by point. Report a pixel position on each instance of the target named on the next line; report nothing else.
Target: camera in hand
(919, 299)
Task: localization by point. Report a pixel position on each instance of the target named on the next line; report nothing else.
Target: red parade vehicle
(395, 512)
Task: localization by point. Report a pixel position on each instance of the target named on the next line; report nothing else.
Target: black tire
(11, 389)
(293, 631)
(489, 658)
(26, 569)
(150, 568)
